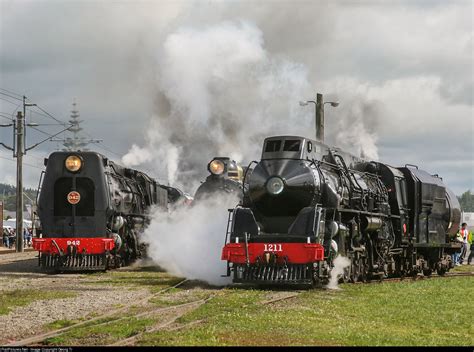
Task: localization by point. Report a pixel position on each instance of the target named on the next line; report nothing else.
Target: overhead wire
(11, 96)
(27, 164)
(8, 101)
(9, 91)
(45, 113)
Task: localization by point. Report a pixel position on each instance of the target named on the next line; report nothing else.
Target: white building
(468, 218)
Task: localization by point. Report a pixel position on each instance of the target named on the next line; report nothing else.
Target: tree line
(467, 201)
(8, 196)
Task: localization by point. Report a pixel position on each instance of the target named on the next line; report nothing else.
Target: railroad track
(418, 277)
(41, 337)
(9, 251)
(192, 305)
(180, 312)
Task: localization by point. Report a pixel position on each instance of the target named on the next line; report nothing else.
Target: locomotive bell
(118, 223)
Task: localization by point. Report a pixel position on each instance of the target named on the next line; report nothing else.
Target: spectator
(12, 238)
(455, 256)
(464, 233)
(470, 240)
(6, 238)
(29, 236)
(25, 237)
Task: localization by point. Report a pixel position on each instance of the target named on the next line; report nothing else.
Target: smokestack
(319, 117)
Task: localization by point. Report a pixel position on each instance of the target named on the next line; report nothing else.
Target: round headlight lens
(275, 185)
(73, 163)
(216, 167)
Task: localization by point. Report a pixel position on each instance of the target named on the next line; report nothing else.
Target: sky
(168, 85)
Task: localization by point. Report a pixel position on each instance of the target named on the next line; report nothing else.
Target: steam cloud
(357, 128)
(219, 92)
(188, 242)
(340, 263)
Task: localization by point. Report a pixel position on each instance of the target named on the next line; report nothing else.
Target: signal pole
(20, 120)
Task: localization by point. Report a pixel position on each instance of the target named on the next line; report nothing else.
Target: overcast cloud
(155, 77)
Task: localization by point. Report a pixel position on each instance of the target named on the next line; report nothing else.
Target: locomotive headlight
(275, 185)
(216, 167)
(73, 163)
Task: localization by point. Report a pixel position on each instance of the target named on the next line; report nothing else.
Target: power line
(8, 101)
(9, 91)
(10, 96)
(6, 118)
(102, 146)
(51, 116)
(47, 114)
(13, 161)
(41, 131)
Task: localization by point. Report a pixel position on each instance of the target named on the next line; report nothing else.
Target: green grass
(173, 298)
(17, 298)
(407, 313)
(62, 323)
(101, 334)
(462, 269)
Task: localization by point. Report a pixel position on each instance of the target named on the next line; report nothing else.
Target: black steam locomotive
(92, 212)
(225, 177)
(307, 202)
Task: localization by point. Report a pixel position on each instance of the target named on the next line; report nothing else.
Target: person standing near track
(470, 240)
(464, 233)
(6, 238)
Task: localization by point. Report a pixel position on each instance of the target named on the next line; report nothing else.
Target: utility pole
(319, 114)
(19, 149)
(20, 120)
(319, 118)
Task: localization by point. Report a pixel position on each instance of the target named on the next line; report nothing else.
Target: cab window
(273, 146)
(292, 145)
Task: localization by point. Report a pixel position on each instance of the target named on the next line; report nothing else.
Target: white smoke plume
(188, 242)
(219, 93)
(136, 156)
(340, 263)
(356, 130)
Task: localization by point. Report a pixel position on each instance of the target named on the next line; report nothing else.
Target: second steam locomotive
(306, 202)
(93, 212)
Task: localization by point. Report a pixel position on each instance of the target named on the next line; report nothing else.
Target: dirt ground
(19, 271)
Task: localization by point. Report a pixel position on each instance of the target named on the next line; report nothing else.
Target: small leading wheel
(427, 272)
(364, 270)
(346, 275)
(354, 270)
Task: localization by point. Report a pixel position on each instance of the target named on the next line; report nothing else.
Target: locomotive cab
(292, 147)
